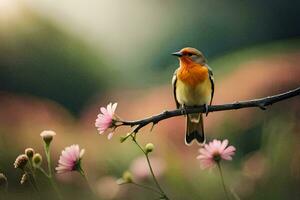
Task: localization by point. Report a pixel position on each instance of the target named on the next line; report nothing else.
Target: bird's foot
(183, 110)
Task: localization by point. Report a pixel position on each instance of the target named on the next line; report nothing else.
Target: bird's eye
(190, 54)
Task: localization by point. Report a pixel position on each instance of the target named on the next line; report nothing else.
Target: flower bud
(3, 181)
(24, 178)
(149, 147)
(127, 177)
(37, 160)
(21, 161)
(47, 136)
(29, 152)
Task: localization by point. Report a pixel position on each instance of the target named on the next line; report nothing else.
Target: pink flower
(70, 159)
(214, 152)
(105, 119)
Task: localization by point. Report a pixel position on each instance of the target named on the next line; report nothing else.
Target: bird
(193, 85)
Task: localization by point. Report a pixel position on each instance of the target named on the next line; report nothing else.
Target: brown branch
(260, 103)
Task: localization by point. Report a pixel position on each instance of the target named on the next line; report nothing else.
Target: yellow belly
(193, 95)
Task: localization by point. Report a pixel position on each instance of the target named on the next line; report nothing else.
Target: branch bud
(149, 147)
(37, 160)
(127, 177)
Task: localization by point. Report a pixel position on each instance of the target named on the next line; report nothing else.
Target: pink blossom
(105, 119)
(214, 152)
(70, 159)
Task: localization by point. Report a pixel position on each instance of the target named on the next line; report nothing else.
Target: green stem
(33, 182)
(128, 135)
(43, 172)
(31, 177)
(32, 172)
(234, 194)
(222, 180)
(82, 173)
(47, 152)
(49, 175)
(55, 188)
(151, 170)
(146, 187)
(51, 182)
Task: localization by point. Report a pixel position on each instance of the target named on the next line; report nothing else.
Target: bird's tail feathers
(194, 129)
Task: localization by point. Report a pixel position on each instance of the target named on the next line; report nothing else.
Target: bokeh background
(61, 60)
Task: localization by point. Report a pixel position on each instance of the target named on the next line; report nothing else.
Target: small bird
(193, 85)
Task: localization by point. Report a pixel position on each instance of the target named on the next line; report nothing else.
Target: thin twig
(223, 182)
(146, 187)
(261, 103)
(150, 168)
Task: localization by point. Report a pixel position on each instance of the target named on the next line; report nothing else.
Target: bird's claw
(183, 110)
(206, 109)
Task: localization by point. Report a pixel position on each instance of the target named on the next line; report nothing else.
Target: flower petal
(224, 145)
(110, 135)
(114, 106)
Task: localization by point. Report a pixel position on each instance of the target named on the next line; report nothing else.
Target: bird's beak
(178, 54)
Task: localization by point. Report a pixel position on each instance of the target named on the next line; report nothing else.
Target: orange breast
(192, 74)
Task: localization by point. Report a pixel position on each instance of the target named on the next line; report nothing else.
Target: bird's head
(190, 55)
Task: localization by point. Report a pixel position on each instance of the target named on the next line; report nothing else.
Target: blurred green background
(61, 61)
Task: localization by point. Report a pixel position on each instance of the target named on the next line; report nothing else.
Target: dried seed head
(29, 152)
(21, 161)
(24, 178)
(3, 181)
(47, 136)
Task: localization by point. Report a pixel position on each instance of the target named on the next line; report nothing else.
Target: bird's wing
(174, 80)
(211, 78)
